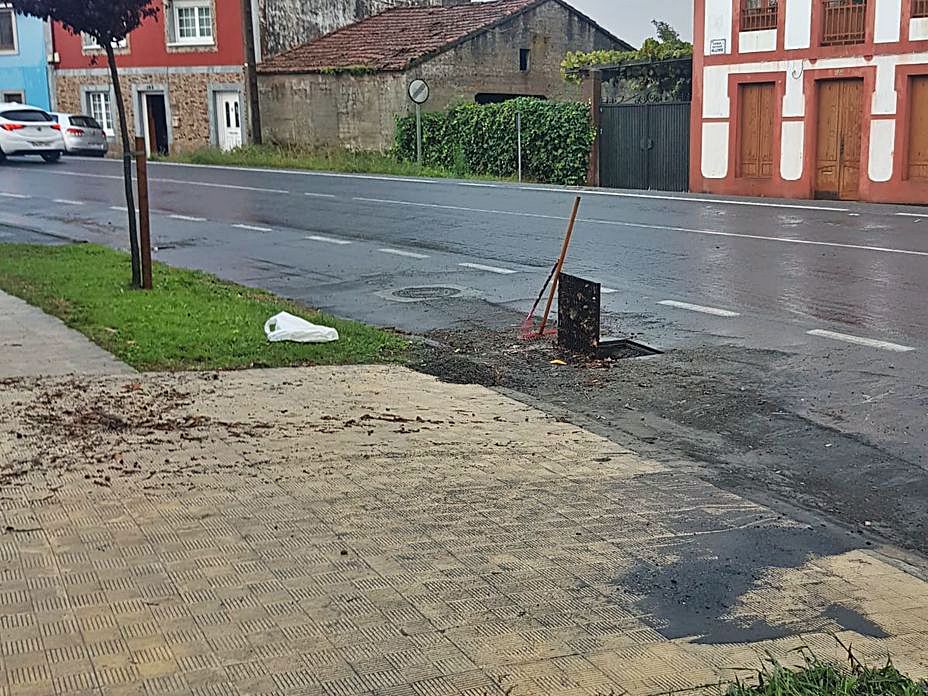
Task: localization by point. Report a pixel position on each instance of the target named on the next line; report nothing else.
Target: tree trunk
(126, 167)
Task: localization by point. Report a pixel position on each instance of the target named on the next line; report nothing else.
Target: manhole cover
(427, 292)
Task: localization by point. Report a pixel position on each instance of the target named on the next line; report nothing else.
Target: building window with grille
(844, 22)
(89, 43)
(100, 108)
(919, 9)
(191, 22)
(7, 30)
(759, 15)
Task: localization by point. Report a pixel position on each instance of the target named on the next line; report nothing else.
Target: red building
(811, 99)
(181, 73)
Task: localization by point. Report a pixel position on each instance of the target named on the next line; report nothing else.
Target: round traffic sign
(419, 91)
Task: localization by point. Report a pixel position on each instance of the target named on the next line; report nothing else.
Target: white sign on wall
(718, 47)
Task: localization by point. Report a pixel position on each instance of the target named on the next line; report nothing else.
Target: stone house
(347, 87)
(182, 76)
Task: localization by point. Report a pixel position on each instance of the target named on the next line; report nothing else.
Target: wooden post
(560, 265)
(141, 175)
(593, 94)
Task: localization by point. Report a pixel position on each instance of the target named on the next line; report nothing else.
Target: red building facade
(811, 99)
(181, 76)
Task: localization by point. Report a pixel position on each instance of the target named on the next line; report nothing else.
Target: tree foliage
(472, 139)
(648, 77)
(105, 20)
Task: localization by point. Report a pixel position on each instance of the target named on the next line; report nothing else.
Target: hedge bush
(473, 139)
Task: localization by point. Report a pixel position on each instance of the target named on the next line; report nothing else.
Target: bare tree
(108, 22)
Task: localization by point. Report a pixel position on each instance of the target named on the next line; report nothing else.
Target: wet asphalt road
(817, 310)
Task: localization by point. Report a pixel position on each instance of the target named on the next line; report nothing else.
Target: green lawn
(190, 321)
(301, 158)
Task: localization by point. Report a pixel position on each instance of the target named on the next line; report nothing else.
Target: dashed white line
(207, 184)
(187, 218)
(120, 208)
(21, 196)
(715, 311)
(400, 252)
(253, 228)
(913, 215)
(319, 195)
(857, 340)
(327, 240)
(643, 226)
(608, 291)
(66, 201)
(488, 269)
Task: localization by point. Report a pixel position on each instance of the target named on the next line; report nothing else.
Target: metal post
(419, 134)
(141, 174)
(519, 138)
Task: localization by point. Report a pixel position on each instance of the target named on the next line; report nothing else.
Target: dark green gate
(645, 146)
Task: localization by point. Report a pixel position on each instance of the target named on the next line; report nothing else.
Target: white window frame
(89, 43)
(7, 92)
(108, 123)
(198, 40)
(6, 7)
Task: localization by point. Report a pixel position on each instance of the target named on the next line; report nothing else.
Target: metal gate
(645, 146)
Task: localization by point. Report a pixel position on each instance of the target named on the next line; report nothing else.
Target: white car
(82, 135)
(26, 130)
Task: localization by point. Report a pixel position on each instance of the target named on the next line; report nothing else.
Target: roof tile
(390, 41)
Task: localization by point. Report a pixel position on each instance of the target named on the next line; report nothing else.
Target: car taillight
(56, 126)
(11, 126)
(75, 131)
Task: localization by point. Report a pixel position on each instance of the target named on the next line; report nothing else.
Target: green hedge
(481, 140)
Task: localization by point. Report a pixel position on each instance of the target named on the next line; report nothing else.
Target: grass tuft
(190, 321)
(821, 678)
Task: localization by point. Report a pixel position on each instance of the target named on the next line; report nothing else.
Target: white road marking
(120, 208)
(914, 215)
(488, 269)
(457, 207)
(400, 252)
(608, 291)
(643, 226)
(857, 340)
(235, 187)
(453, 182)
(699, 308)
(186, 218)
(21, 196)
(327, 240)
(253, 228)
(66, 201)
(319, 195)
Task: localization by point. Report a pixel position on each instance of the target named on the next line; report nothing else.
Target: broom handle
(560, 264)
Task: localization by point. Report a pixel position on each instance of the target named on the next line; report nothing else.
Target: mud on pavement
(349, 530)
(710, 408)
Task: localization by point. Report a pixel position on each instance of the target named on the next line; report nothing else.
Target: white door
(229, 120)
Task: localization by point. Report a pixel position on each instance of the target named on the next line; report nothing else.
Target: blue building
(24, 75)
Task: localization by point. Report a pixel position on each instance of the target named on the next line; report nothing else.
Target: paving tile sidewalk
(346, 531)
(33, 343)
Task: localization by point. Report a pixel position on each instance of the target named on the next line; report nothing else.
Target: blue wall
(26, 71)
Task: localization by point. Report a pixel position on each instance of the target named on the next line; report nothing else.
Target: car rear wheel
(51, 157)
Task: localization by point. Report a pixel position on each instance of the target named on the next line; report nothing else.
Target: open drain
(427, 292)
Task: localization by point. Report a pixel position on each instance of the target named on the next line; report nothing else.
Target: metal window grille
(844, 22)
(919, 8)
(758, 15)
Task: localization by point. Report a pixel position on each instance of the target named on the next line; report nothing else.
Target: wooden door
(837, 168)
(755, 157)
(918, 128)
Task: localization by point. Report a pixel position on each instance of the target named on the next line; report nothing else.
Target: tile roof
(394, 39)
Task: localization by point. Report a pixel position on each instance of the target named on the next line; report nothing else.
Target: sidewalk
(33, 343)
(370, 530)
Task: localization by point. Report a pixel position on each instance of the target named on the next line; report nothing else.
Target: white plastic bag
(286, 327)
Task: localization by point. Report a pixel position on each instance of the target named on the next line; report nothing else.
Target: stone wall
(359, 112)
(187, 93)
(289, 23)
